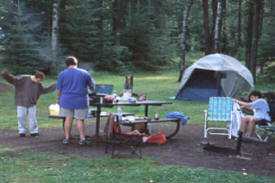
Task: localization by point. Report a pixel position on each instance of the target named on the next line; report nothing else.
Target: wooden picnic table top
(126, 103)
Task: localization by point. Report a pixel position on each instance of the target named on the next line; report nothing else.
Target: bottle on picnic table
(114, 94)
(149, 128)
(114, 97)
(156, 116)
(119, 114)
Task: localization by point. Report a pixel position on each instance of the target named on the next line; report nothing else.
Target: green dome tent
(214, 75)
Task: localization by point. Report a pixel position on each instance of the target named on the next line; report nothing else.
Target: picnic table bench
(133, 124)
(102, 114)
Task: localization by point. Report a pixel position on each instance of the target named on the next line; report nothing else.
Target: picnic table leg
(176, 130)
(146, 110)
(239, 143)
(98, 112)
(146, 115)
(63, 124)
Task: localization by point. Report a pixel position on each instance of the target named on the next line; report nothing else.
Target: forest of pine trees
(125, 35)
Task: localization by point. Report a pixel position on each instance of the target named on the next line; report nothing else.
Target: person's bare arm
(58, 96)
(243, 104)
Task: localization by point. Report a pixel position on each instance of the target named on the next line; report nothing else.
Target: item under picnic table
(140, 127)
(115, 138)
(158, 138)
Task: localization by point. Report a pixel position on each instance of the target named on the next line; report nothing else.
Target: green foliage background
(149, 34)
(149, 41)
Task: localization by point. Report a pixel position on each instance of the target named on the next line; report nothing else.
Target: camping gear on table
(142, 97)
(101, 90)
(129, 83)
(54, 110)
(214, 75)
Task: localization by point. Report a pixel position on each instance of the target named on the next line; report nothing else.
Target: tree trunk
(55, 26)
(240, 23)
(157, 14)
(16, 3)
(100, 27)
(218, 27)
(271, 3)
(186, 11)
(223, 26)
(212, 33)
(255, 36)
(117, 22)
(207, 40)
(250, 8)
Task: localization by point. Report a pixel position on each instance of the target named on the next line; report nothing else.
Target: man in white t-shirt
(260, 108)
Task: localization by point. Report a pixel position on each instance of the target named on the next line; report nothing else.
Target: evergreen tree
(20, 42)
(79, 33)
(147, 39)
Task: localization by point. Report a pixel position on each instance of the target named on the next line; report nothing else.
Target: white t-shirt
(261, 109)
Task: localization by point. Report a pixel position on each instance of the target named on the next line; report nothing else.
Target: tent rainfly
(214, 75)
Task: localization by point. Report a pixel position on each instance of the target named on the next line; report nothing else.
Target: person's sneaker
(66, 141)
(83, 142)
(34, 134)
(22, 135)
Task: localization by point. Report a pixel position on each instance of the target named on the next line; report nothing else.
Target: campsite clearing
(183, 149)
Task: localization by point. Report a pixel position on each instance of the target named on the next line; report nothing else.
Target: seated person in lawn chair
(260, 108)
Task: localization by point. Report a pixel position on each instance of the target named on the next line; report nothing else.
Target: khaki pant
(22, 113)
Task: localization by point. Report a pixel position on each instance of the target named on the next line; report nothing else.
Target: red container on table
(142, 97)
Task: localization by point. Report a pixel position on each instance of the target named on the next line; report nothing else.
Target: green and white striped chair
(219, 110)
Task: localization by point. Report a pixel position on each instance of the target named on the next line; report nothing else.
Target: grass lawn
(157, 86)
(46, 167)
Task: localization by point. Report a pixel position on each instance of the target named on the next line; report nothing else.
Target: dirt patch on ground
(4, 88)
(182, 149)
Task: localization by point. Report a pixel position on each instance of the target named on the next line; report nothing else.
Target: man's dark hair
(255, 93)
(70, 60)
(39, 74)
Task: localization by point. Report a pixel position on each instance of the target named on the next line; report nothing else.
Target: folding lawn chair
(264, 129)
(263, 132)
(114, 137)
(220, 110)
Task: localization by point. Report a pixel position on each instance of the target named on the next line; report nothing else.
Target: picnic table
(146, 104)
(98, 114)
